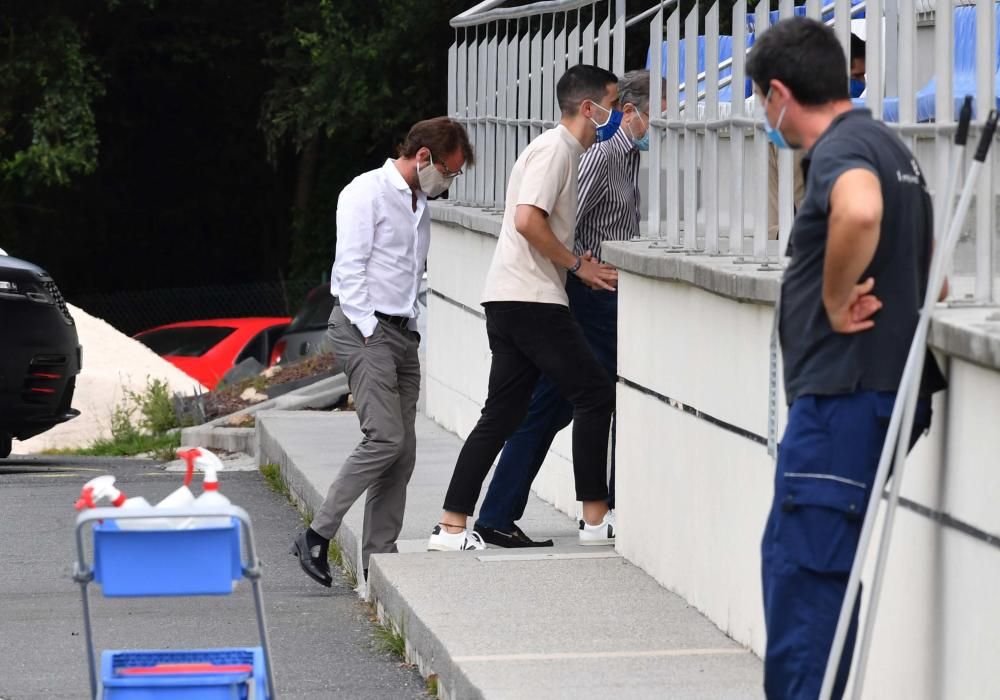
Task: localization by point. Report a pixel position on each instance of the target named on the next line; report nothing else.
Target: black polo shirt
(818, 360)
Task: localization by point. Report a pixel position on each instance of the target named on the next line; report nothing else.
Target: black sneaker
(513, 538)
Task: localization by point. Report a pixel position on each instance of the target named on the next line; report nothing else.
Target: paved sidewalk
(566, 622)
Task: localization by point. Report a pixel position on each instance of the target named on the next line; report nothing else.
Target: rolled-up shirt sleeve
(355, 237)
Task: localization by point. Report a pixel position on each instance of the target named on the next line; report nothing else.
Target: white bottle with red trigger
(102, 488)
(182, 497)
(210, 496)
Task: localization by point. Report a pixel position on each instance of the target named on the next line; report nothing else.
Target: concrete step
(566, 622)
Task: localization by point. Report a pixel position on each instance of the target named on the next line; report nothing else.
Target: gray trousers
(384, 376)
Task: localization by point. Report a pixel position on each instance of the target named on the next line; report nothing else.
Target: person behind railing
(530, 329)
(857, 88)
(849, 306)
(383, 234)
(608, 210)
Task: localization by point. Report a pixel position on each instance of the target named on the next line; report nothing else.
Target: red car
(206, 350)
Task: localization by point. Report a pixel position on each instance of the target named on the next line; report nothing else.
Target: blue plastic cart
(168, 562)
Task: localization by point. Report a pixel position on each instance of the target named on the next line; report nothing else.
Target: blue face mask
(610, 125)
(857, 87)
(773, 132)
(641, 143)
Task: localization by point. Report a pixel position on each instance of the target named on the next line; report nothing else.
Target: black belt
(400, 322)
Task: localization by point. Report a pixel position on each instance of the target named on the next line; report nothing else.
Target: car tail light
(279, 349)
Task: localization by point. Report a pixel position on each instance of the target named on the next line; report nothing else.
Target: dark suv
(40, 353)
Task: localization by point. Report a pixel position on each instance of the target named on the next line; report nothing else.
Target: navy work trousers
(826, 465)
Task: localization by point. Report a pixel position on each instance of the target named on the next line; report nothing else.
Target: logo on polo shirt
(909, 178)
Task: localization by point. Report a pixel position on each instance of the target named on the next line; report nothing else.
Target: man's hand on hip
(856, 314)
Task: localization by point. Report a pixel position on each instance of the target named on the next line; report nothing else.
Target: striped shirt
(608, 208)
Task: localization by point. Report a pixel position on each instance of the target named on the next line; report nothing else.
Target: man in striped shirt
(608, 210)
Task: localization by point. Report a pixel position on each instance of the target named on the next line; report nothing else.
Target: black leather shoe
(513, 538)
(316, 568)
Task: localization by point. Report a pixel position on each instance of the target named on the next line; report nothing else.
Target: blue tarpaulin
(964, 76)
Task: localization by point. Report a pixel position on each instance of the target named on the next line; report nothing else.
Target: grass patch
(389, 640)
(274, 478)
(162, 447)
(432, 685)
(350, 575)
(144, 422)
(335, 555)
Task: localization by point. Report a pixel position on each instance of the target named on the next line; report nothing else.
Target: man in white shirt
(383, 233)
(530, 329)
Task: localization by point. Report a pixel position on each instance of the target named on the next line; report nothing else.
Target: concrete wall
(694, 475)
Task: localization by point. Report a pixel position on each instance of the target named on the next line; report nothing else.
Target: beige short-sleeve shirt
(545, 176)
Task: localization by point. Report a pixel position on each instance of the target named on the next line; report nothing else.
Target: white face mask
(432, 181)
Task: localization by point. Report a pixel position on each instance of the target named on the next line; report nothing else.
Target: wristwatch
(579, 261)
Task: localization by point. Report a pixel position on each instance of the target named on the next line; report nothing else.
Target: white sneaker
(599, 534)
(443, 541)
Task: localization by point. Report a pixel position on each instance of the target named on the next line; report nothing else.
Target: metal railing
(714, 184)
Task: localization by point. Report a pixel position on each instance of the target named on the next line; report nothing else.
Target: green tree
(349, 80)
(48, 84)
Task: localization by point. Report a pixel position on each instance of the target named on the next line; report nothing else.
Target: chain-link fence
(139, 310)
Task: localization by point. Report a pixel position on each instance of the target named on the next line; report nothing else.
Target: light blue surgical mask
(641, 143)
(610, 125)
(773, 132)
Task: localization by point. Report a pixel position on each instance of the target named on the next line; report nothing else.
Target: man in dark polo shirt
(860, 252)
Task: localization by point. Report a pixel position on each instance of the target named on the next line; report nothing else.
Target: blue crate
(195, 561)
(225, 685)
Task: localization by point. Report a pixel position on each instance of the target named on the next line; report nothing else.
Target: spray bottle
(182, 497)
(210, 496)
(102, 488)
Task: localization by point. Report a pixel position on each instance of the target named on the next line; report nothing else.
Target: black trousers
(527, 340)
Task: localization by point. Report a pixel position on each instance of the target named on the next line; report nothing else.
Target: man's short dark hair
(804, 55)
(581, 83)
(441, 135)
(857, 48)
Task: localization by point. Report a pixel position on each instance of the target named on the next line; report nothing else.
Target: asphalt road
(322, 639)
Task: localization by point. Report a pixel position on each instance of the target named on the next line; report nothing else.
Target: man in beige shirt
(531, 331)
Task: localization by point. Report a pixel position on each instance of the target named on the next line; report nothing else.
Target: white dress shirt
(381, 248)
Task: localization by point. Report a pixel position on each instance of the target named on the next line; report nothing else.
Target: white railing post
(786, 176)
(482, 111)
(523, 88)
(618, 45)
(573, 42)
(906, 59)
(656, 133)
(673, 159)
(761, 159)
(472, 73)
(588, 36)
(537, 61)
(604, 40)
(491, 198)
(690, 135)
(500, 152)
(511, 113)
(736, 133)
(842, 25)
(548, 71)
(985, 101)
(461, 112)
(891, 47)
(874, 59)
(944, 109)
(710, 167)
